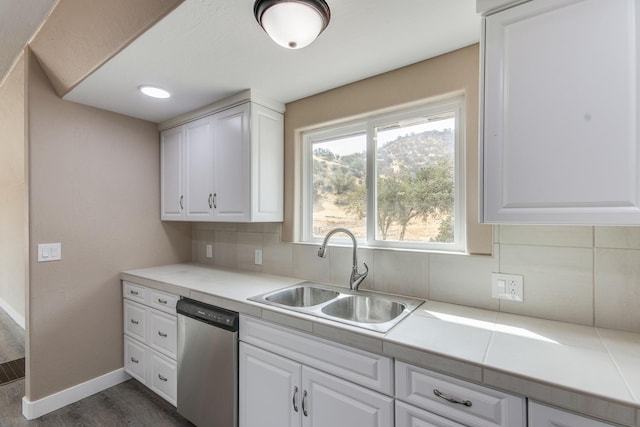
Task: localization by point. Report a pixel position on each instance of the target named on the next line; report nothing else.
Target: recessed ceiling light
(154, 91)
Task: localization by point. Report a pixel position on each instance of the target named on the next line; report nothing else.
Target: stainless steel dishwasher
(207, 364)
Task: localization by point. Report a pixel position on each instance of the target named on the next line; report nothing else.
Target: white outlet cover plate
(507, 286)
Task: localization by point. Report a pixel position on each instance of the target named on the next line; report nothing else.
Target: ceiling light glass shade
(154, 91)
(293, 24)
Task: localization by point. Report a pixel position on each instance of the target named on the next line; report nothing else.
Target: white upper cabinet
(225, 167)
(171, 174)
(560, 117)
(199, 151)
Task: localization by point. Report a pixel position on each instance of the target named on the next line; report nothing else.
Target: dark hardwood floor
(127, 404)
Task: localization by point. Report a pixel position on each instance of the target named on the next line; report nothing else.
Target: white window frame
(367, 125)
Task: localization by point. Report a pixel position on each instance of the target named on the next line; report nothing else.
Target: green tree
(403, 197)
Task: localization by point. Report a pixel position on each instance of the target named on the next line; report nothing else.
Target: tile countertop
(580, 368)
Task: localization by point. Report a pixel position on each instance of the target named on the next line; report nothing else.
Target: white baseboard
(17, 317)
(40, 407)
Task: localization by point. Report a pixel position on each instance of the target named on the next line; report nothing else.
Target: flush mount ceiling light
(293, 24)
(154, 91)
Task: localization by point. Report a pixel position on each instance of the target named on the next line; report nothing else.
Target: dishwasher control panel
(207, 313)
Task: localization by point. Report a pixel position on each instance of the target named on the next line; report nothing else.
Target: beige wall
(94, 187)
(457, 71)
(13, 193)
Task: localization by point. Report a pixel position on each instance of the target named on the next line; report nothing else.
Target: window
(394, 180)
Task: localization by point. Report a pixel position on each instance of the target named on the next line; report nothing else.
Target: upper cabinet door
(560, 136)
(232, 167)
(199, 169)
(171, 174)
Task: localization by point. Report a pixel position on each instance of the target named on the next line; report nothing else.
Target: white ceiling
(19, 20)
(207, 50)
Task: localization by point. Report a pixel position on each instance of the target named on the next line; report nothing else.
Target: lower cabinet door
(162, 378)
(135, 359)
(270, 394)
(328, 401)
(410, 416)
(541, 415)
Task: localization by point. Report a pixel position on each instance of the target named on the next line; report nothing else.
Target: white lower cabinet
(150, 338)
(456, 400)
(292, 379)
(278, 392)
(410, 416)
(546, 416)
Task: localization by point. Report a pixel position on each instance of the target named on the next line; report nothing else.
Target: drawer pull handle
(132, 292)
(162, 334)
(134, 360)
(135, 322)
(295, 394)
(162, 301)
(304, 403)
(438, 393)
(162, 378)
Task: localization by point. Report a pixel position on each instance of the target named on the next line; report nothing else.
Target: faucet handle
(366, 270)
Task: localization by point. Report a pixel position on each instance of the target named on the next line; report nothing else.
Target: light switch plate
(49, 252)
(507, 286)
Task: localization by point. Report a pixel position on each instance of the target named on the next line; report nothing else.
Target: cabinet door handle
(451, 399)
(134, 360)
(295, 395)
(162, 334)
(215, 200)
(135, 322)
(304, 403)
(162, 301)
(181, 206)
(162, 378)
(210, 201)
(132, 292)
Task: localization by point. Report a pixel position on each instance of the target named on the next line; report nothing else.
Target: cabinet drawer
(429, 390)
(163, 378)
(135, 317)
(542, 415)
(162, 333)
(410, 416)
(362, 367)
(163, 301)
(135, 359)
(134, 292)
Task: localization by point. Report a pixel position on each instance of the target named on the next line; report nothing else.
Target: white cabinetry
(226, 167)
(426, 398)
(560, 113)
(150, 338)
(541, 415)
(299, 386)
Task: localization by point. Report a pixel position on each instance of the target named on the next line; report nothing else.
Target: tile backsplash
(578, 274)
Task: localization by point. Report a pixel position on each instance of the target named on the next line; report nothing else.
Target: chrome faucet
(356, 278)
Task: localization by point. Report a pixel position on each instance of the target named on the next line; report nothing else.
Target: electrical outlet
(209, 250)
(258, 257)
(507, 286)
